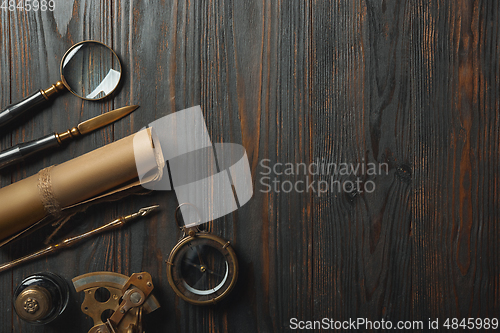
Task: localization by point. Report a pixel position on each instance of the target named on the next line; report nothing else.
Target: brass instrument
(118, 223)
(103, 292)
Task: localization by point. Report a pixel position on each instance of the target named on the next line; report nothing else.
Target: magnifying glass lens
(90, 70)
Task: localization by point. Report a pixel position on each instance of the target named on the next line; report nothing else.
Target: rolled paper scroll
(55, 188)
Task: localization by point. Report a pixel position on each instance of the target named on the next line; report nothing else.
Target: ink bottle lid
(41, 298)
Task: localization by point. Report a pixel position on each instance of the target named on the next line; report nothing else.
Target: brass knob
(53, 89)
(33, 303)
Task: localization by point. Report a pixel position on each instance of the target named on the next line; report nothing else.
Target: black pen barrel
(22, 108)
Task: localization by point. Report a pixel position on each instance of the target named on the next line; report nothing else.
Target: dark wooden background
(414, 84)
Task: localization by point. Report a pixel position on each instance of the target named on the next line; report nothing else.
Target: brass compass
(202, 268)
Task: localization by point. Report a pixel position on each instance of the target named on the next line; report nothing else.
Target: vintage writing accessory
(137, 160)
(55, 190)
(118, 223)
(41, 298)
(89, 70)
(18, 153)
(116, 302)
(202, 268)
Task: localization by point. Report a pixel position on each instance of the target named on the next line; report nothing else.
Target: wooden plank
(363, 118)
(414, 85)
(456, 201)
(6, 316)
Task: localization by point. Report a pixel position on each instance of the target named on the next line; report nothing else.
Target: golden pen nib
(95, 123)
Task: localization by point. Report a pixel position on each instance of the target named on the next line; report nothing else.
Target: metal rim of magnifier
(63, 79)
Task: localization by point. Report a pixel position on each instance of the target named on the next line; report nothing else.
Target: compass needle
(202, 268)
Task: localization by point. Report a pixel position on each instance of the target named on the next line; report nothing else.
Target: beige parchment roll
(29, 200)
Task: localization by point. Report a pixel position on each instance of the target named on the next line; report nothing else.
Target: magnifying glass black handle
(14, 111)
(18, 153)
(29, 104)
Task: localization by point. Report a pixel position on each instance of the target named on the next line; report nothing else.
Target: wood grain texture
(413, 84)
(363, 115)
(456, 200)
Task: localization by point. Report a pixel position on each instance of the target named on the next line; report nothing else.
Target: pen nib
(146, 210)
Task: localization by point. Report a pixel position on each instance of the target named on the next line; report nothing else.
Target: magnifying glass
(89, 70)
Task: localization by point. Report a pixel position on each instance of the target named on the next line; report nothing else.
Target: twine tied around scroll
(50, 203)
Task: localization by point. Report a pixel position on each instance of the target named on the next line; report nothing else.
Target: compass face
(202, 269)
